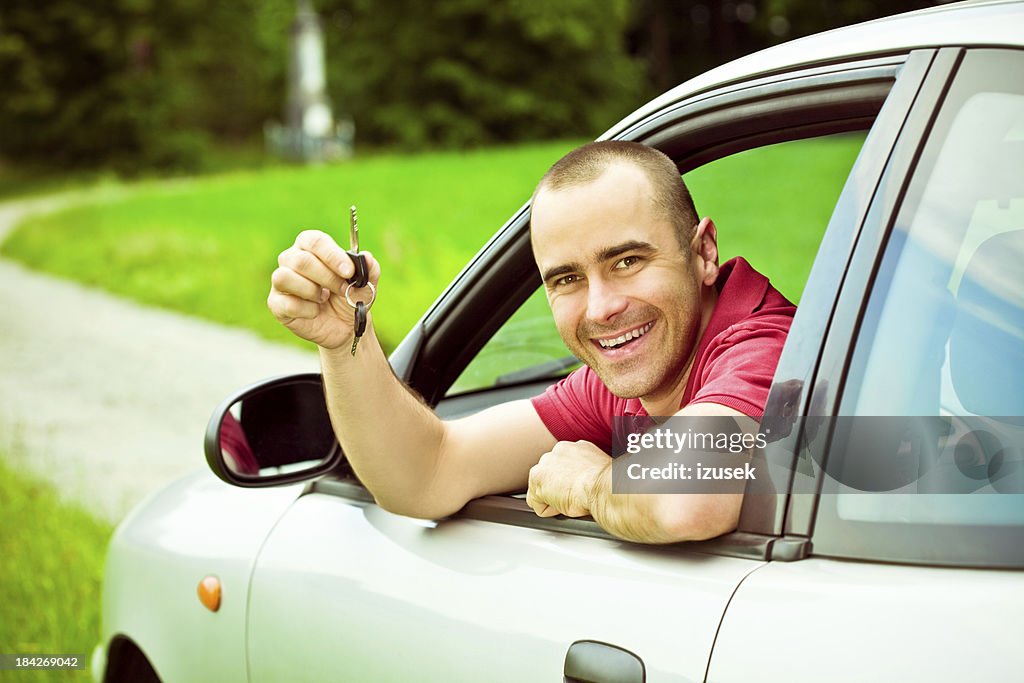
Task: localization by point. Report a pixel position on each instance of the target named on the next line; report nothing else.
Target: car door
(344, 590)
(915, 578)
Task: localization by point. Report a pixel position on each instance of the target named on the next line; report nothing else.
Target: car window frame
(502, 275)
(813, 515)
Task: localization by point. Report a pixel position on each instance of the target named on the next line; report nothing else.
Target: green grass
(51, 568)
(18, 183)
(207, 246)
(772, 205)
(20, 180)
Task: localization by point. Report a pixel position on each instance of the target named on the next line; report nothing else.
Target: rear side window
(943, 339)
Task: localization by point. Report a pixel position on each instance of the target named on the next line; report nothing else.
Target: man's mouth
(626, 337)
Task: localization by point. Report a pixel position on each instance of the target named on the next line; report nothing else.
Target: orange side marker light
(209, 592)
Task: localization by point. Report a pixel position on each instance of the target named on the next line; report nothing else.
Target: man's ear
(705, 247)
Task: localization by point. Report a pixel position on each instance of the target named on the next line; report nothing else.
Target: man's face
(626, 296)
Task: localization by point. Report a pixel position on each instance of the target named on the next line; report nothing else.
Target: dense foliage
(465, 72)
(142, 84)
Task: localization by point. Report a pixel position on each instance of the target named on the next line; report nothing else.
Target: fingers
(336, 259)
(540, 507)
(287, 281)
(286, 307)
(535, 497)
(326, 250)
(316, 261)
(311, 273)
(308, 273)
(372, 267)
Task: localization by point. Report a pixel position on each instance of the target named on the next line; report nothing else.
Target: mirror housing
(272, 433)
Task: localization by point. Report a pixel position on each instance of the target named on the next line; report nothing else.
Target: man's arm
(575, 479)
(413, 463)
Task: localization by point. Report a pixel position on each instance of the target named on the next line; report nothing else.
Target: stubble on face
(572, 226)
(662, 367)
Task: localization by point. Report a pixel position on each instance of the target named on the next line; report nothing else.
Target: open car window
(771, 205)
(526, 348)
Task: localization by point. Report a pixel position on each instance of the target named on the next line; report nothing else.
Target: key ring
(373, 295)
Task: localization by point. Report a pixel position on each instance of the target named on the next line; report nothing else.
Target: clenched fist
(563, 481)
(307, 290)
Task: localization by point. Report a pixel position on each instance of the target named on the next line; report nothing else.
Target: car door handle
(589, 661)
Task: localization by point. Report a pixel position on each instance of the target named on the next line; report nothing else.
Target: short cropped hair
(587, 163)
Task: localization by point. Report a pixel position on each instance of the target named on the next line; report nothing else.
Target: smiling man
(633, 280)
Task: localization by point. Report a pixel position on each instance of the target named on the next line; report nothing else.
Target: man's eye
(566, 280)
(627, 261)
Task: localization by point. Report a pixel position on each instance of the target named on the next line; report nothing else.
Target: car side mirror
(272, 433)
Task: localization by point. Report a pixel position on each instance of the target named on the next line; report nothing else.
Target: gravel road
(106, 398)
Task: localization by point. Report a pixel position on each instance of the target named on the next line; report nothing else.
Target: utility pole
(310, 133)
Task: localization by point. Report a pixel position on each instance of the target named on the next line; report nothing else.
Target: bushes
(144, 84)
(147, 84)
(130, 84)
(468, 72)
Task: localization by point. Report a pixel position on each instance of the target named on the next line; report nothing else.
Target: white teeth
(622, 339)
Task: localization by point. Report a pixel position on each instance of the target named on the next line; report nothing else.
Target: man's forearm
(392, 439)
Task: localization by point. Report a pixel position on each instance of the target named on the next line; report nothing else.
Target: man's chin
(623, 385)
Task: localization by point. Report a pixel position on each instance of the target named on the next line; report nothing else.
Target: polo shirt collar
(741, 291)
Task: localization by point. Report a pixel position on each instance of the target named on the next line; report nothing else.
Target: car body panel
(399, 599)
(195, 527)
(857, 621)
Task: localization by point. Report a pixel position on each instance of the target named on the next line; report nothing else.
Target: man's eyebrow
(603, 255)
(563, 269)
(619, 249)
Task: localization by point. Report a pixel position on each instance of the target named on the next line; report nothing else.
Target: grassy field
(207, 246)
(772, 205)
(51, 567)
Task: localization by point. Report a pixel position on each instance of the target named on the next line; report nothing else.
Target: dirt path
(106, 398)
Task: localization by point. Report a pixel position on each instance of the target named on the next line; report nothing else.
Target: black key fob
(362, 274)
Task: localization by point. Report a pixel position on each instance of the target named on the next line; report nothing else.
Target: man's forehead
(587, 222)
(620, 193)
(621, 179)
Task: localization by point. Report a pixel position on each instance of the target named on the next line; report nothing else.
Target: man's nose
(604, 300)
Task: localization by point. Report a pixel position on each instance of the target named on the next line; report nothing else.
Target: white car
(914, 306)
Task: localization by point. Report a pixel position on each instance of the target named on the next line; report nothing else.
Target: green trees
(466, 72)
(143, 84)
(148, 83)
(135, 84)
(68, 90)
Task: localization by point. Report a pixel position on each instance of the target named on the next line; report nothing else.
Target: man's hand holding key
(314, 292)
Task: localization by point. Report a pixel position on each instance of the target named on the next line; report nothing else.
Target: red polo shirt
(734, 365)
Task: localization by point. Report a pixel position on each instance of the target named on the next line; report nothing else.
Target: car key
(360, 324)
(361, 275)
(359, 279)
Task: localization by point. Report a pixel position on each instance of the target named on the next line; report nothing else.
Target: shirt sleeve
(577, 409)
(739, 370)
